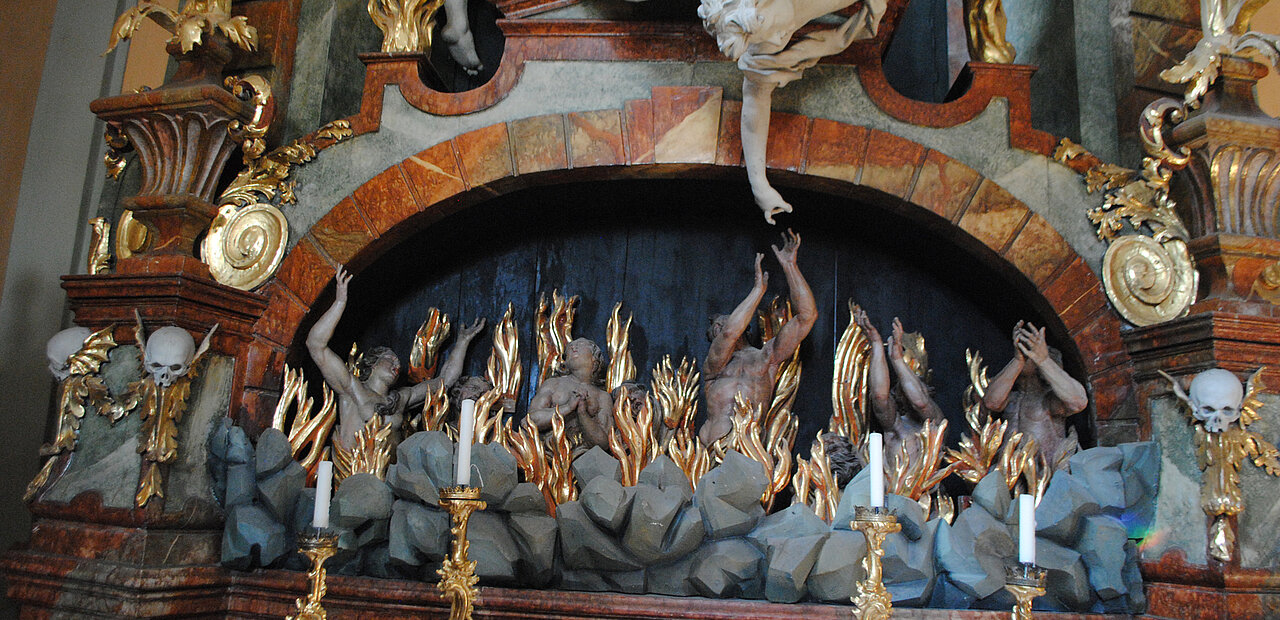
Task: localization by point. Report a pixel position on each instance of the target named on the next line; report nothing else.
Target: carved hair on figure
(371, 359)
(598, 362)
(732, 21)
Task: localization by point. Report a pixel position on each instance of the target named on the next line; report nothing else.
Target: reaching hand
(1017, 331)
(762, 277)
(861, 319)
(790, 244)
(470, 331)
(895, 341)
(1032, 344)
(341, 279)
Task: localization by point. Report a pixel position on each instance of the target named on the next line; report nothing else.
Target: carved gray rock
(607, 502)
(594, 463)
(1065, 503)
(664, 474)
(909, 571)
(493, 469)
(492, 548)
(684, 536)
(415, 486)
(628, 582)
(428, 452)
(279, 492)
(838, 567)
(728, 569)
(795, 521)
(1067, 581)
(1140, 470)
(303, 509)
(273, 452)
(947, 595)
(526, 497)
(372, 533)
(584, 546)
(252, 538)
(360, 498)
(788, 563)
(239, 449)
(1099, 470)
(535, 537)
(426, 530)
(216, 446)
(1102, 549)
(400, 550)
(992, 495)
(583, 580)
(909, 513)
(241, 485)
(728, 497)
(856, 493)
(1136, 598)
(974, 551)
(672, 579)
(652, 513)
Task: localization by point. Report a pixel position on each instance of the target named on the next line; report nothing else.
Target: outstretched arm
(452, 368)
(877, 373)
(1032, 344)
(332, 368)
(736, 324)
(757, 102)
(788, 339)
(1001, 386)
(913, 387)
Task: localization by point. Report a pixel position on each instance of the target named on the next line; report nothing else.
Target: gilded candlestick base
(873, 601)
(458, 574)
(1026, 582)
(318, 546)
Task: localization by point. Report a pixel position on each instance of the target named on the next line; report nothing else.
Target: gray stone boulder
(412, 485)
(838, 567)
(1099, 470)
(664, 474)
(253, 538)
(1102, 549)
(788, 563)
(373, 533)
(672, 579)
(974, 552)
(304, 508)
(856, 493)
(728, 497)
(428, 452)
(583, 581)
(684, 536)
(728, 569)
(1068, 581)
(1060, 512)
(948, 595)
(279, 492)
(607, 502)
(239, 449)
(585, 546)
(493, 469)
(992, 495)
(526, 497)
(400, 551)
(272, 453)
(795, 521)
(652, 513)
(1136, 598)
(1140, 470)
(593, 464)
(216, 446)
(241, 485)
(492, 548)
(425, 529)
(535, 536)
(627, 582)
(909, 570)
(360, 498)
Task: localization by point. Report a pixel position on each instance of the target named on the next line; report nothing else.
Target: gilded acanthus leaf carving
(188, 26)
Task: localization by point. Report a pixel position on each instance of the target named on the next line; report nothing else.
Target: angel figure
(757, 34)
(1222, 411)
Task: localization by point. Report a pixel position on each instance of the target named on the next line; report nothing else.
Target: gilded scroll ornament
(308, 434)
(170, 357)
(132, 236)
(406, 25)
(1267, 284)
(1225, 26)
(985, 25)
(266, 177)
(188, 26)
(99, 261)
(458, 577)
(117, 145)
(1222, 411)
(245, 246)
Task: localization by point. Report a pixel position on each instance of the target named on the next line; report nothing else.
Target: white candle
(1026, 529)
(876, 447)
(324, 489)
(466, 431)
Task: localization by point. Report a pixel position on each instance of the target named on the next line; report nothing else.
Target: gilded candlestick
(458, 574)
(873, 601)
(1026, 582)
(318, 546)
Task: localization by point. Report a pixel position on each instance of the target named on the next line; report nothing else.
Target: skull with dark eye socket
(61, 347)
(169, 352)
(1215, 399)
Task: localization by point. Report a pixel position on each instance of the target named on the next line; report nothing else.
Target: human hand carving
(1017, 352)
(341, 279)
(1032, 344)
(468, 332)
(790, 244)
(895, 341)
(862, 320)
(762, 276)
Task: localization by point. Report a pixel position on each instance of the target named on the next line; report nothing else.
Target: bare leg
(757, 99)
(457, 35)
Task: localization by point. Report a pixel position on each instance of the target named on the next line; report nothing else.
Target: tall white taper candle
(876, 447)
(1026, 529)
(466, 431)
(324, 489)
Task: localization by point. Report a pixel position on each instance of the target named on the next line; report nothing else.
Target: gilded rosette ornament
(406, 25)
(985, 24)
(873, 601)
(318, 547)
(458, 573)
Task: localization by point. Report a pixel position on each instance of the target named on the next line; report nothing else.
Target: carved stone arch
(692, 132)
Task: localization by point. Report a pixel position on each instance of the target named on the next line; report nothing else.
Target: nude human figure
(902, 412)
(733, 366)
(1037, 395)
(576, 391)
(359, 401)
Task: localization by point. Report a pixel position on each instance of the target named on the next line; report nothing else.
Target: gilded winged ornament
(1225, 24)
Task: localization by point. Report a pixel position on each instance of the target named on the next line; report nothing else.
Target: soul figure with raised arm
(369, 392)
(733, 366)
(901, 402)
(1037, 396)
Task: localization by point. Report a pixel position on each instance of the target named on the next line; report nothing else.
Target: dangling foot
(462, 48)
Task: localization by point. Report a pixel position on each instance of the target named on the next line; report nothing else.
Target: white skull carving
(169, 352)
(61, 347)
(1215, 399)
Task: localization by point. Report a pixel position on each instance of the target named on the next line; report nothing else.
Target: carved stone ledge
(1215, 335)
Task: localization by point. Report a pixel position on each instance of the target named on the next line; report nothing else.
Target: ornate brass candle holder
(318, 546)
(873, 601)
(1026, 582)
(458, 574)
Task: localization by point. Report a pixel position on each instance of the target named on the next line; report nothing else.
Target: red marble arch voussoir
(505, 157)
